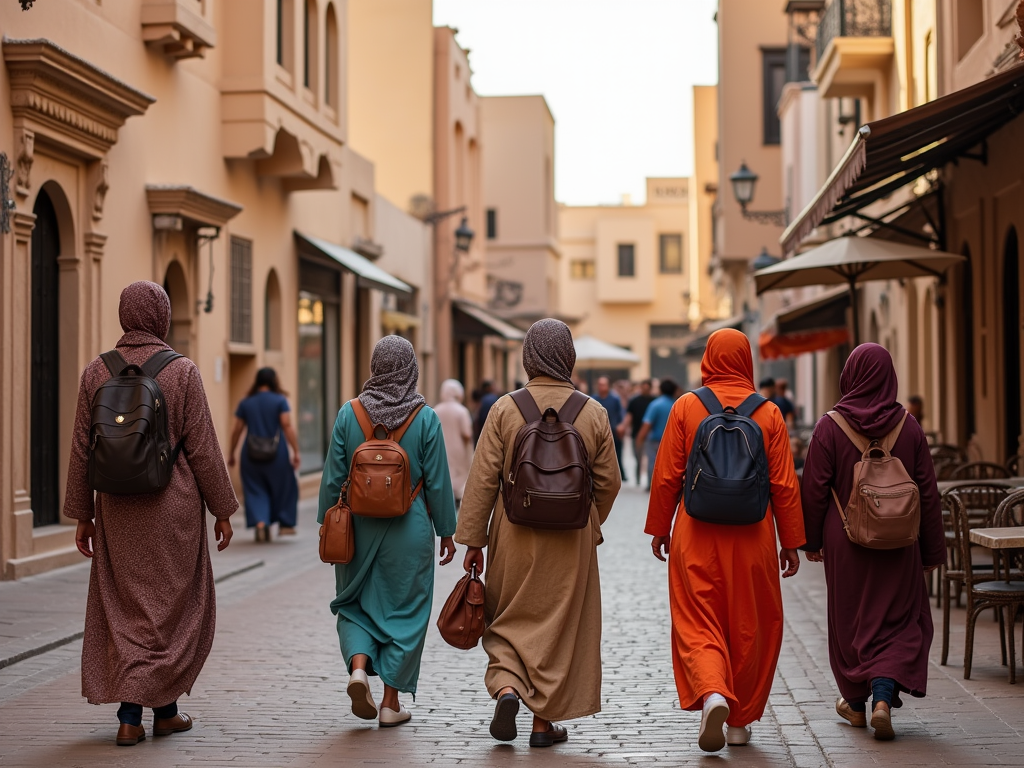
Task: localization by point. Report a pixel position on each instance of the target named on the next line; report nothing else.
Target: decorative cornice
(67, 101)
(191, 204)
(1019, 37)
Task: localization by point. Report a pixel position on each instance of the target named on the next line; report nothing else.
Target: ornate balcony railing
(854, 18)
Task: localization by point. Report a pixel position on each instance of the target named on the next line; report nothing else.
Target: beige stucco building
(625, 276)
(204, 146)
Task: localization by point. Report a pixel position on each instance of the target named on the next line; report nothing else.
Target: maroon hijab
(869, 385)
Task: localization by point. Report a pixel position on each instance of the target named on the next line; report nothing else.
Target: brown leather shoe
(845, 711)
(180, 722)
(130, 735)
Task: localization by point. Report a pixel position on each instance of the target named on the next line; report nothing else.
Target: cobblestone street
(272, 692)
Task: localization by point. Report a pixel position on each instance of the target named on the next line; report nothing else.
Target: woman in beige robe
(543, 593)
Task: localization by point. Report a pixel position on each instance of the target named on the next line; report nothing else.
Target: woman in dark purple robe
(879, 619)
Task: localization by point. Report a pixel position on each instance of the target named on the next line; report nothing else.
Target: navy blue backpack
(727, 471)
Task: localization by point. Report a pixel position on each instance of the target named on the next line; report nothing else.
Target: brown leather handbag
(337, 537)
(462, 619)
(379, 479)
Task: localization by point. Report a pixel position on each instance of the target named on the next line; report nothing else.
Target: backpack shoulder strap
(399, 433)
(158, 362)
(571, 408)
(856, 438)
(709, 400)
(751, 404)
(892, 437)
(527, 405)
(362, 417)
(114, 361)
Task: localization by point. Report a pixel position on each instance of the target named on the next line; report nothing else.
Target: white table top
(999, 538)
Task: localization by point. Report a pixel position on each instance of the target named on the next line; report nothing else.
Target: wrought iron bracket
(775, 218)
(6, 202)
(26, 4)
(437, 216)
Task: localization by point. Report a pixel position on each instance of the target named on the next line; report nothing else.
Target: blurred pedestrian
(457, 426)
(724, 590)
(385, 593)
(648, 439)
(786, 407)
(268, 474)
(487, 399)
(543, 592)
(915, 407)
(879, 619)
(767, 389)
(150, 615)
(634, 420)
(613, 405)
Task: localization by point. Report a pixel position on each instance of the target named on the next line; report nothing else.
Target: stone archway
(176, 285)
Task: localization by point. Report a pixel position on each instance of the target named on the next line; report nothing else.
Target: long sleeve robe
(724, 589)
(151, 612)
(543, 592)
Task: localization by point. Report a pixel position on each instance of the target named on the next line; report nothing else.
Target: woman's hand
(447, 550)
(84, 536)
(816, 557)
(660, 544)
(222, 532)
(296, 460)
(474, 556)
(789, 561)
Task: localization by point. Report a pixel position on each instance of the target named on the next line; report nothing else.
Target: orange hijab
(727, 361)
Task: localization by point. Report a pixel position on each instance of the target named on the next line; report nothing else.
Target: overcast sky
(617, 75)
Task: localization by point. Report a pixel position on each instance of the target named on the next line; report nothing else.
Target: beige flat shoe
(389, 718)
(737, 736)
(711, 737)
(845, 711)
(358, 690)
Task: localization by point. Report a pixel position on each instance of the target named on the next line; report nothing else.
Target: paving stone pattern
(272, 692)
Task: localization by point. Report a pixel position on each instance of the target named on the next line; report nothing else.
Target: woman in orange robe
(724, 587)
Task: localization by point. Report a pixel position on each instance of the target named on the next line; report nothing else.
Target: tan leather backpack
(884, 511)
(379, 482)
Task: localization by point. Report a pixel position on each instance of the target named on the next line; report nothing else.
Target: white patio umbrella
(853, 260)
(593, 353)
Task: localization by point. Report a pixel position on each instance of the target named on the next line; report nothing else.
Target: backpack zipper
(548, 495)
(696, 478)
(875, 496)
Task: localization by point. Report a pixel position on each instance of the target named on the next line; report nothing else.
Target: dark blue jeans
(131, 714)
(882, 689)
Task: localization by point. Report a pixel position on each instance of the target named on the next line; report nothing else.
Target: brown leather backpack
(884, 511)
(379, 482)
(549, 485)
(461, 622)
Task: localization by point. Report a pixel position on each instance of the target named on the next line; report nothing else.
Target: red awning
(774, 345)
(810, 326)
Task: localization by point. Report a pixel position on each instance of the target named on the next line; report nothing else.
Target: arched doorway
(180, 335)
(1011, 344)
(45, 374)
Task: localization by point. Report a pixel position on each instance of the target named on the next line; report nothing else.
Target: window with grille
(671, 254)
(492, 223)
(582, 269)
(241, 290)
(627, 260)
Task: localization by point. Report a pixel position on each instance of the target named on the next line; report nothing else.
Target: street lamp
(743, 183)
(464, 236)
(764, 260)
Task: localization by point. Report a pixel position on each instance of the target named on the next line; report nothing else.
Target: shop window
(241, 290)
(627, 260)
(582, 269)
(285, 33)
(272, 313)
(309, 43)
(492, 223)
(773, 73)
(670, 254)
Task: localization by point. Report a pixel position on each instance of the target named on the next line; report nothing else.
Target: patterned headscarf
(548, 350)
(145, 314)
(390, 395)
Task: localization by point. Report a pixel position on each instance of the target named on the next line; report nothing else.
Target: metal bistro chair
(981, 470)
(1013, 465)
(984, 592)
(1010, 513)
(946, 459)
(980, 502)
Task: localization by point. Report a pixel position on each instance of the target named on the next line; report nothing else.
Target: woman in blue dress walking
(268, 474)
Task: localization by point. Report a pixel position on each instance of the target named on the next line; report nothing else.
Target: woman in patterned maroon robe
(150, 617)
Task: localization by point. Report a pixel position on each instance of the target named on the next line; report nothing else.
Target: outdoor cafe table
(999, 538)
(1013, 482)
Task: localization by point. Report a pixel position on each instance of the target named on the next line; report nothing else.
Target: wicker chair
(946, 458)
(980, 470)
(984, 592)
(1013, 465)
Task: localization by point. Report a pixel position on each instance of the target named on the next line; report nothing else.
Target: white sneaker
(390, 718)
(712, 723)
(358, 690)
(737, 736)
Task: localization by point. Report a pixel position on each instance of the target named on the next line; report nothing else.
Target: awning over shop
(890, 153)
(695, 347)
(592, 353)
(369, 274)
(393, 320)
(473, 320)
(810, 326)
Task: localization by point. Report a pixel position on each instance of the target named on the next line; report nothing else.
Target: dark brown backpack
(130, 450)
(549, 485)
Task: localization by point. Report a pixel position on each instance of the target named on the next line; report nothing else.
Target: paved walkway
(272, 692)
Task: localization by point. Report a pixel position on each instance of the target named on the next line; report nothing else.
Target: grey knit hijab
(390, 395)
(548, 350)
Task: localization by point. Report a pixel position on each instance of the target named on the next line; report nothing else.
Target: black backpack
(727, 478)
(129, 448)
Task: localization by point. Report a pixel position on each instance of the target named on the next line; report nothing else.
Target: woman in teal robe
(385, 593)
